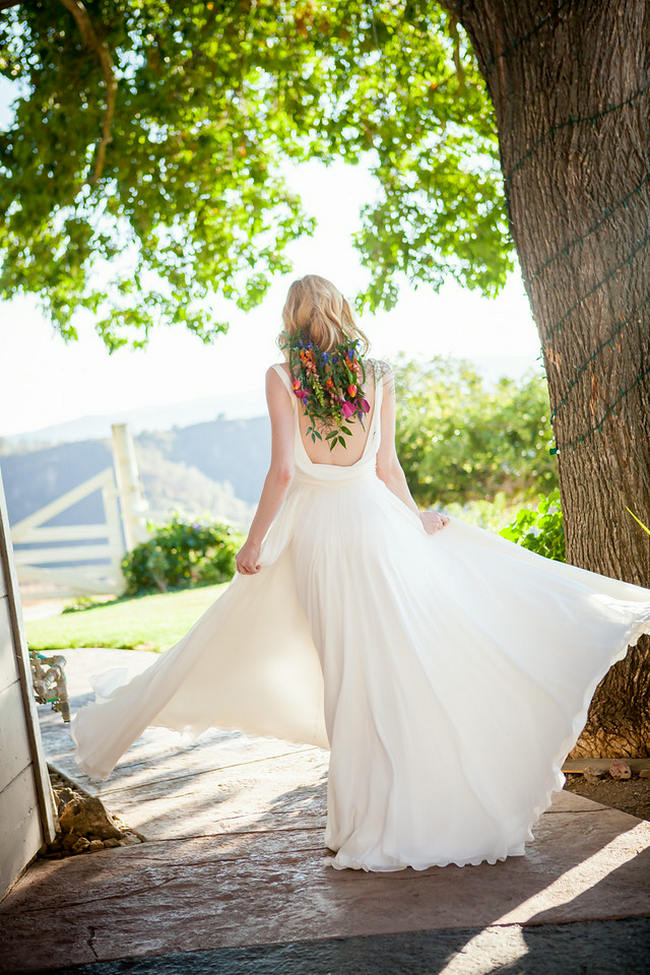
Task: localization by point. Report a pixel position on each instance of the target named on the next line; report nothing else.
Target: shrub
(540, 530)
(181, 554)
(460, 438)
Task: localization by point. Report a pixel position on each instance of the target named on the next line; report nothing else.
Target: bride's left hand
(246, 558)
(433, 521)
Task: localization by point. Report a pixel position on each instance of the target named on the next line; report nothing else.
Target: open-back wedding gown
(449, 674)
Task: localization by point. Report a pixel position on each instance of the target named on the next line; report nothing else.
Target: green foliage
(542, 530)
(491, 515)
(181, 554)
(460, 440)
(81, 603)
(211, 100)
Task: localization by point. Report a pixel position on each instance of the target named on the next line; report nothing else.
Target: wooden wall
(27, 810)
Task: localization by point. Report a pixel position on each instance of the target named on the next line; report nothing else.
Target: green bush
(181, 554)
(461, 439)
(540, 530)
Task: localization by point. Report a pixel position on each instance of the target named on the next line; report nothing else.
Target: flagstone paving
(232, 878)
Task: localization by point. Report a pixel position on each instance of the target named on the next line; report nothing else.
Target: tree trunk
(570, 83)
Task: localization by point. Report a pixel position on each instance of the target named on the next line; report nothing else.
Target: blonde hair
(315, 307)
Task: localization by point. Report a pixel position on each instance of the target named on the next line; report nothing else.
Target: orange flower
(352, 390)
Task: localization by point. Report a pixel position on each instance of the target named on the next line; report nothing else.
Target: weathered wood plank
(20, 824)
(602, 764)
(67, 533)
(8, 670)
(39, 824)
(15, 754)
(61, 553)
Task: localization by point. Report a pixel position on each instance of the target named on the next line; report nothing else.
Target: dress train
(448, 674)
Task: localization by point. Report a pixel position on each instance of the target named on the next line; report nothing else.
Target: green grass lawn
(153, 622)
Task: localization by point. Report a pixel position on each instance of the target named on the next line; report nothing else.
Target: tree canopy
(461, 440)
(141, 172)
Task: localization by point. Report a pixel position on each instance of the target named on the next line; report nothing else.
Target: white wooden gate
(120, 485)
(72, 580)
(27, 808)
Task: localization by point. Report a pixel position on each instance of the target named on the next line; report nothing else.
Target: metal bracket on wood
(48, 677)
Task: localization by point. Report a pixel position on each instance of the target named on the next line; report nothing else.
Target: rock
(130, 839)
(86, 816)
(644, 773)
(84, 824)
(591, 778)
(592, 774)
(63, 796)
(619, 769)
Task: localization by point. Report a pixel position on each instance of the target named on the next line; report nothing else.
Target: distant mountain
(162, 417)
(212, 469)
(236, 452)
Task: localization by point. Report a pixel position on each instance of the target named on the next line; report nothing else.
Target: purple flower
(365, 405)
(347, 409)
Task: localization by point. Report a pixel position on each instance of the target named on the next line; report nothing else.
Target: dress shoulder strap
(379, 397)
(379, 386)
(285, 379)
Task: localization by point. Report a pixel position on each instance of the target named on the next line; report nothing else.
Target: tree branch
(100, 48)
(453, 32)
(455, 7)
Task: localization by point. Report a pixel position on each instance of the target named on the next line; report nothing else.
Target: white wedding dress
(449, 674)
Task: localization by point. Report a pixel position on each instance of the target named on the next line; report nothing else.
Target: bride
(448, 671)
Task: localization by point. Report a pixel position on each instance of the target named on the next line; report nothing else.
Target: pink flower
(347, 409)
(365, 405)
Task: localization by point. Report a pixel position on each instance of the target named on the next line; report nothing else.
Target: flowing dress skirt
(449, 674)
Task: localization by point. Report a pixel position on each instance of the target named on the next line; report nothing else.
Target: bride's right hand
(247, 557)
(433, 521)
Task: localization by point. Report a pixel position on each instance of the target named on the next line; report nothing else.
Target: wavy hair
(317, 309)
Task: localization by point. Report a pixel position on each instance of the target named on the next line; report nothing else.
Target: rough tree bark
(570, 84)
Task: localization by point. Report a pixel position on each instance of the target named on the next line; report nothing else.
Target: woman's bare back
(319, 451)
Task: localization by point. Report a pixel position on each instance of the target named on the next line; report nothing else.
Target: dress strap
(379, 396)
(285, 379)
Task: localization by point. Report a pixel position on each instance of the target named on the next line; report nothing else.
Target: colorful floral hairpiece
(328, 384)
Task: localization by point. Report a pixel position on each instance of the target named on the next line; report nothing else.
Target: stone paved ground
(589, 947)
(232, 878)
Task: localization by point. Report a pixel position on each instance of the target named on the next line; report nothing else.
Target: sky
(48, 381)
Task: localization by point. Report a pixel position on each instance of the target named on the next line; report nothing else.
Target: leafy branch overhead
(144, 167)
(100, 49)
